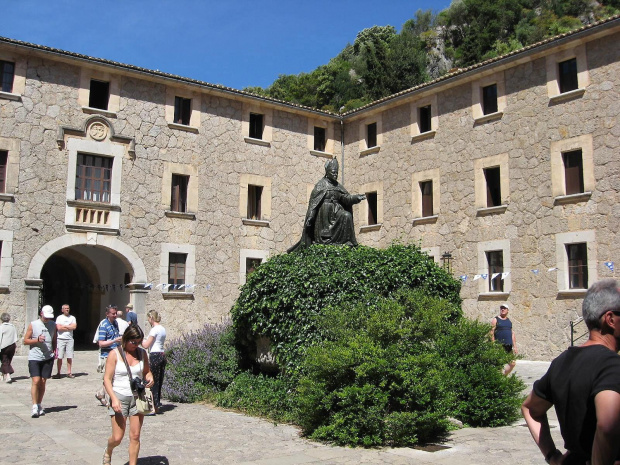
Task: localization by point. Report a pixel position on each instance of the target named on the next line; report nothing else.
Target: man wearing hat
(501, 331)
(41, 337)
(131, 316)
(583, 384)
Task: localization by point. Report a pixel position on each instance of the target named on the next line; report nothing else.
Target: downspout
(342, 149)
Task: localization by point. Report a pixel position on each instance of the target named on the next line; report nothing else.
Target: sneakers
(35, 411)
(41, 411)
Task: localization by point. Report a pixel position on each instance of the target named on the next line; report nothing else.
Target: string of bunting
(610, 266)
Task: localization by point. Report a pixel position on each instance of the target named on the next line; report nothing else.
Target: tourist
(65, 325)
(501, 331)
(131, 316)
(108, 338)
(583, 384)
(155, 343)
(122, 401)
(8, 338)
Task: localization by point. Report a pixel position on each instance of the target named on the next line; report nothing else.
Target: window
(251, 264)
(7, 73)
(494, 192)
(319, 139)
(254, 202)
(425, 119)
(371, 135)
(495, 261)
(178, 200)
(4, 156)
(567, 75)
(176, 268)
(256, 126)
(489, 99)
(371, 198)
(182, 110)
(99, 94)
(577, 265)
(6, 259)
(573, 172)
(426, 191)
(93, 178)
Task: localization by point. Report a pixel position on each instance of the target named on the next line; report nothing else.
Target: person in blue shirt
(109, 337)
(501, 331)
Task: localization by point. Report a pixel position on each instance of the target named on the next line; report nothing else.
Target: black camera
(137, 385)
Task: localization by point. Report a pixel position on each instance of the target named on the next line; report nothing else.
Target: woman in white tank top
(122, 401)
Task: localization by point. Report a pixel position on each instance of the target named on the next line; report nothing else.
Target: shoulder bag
(144, 398)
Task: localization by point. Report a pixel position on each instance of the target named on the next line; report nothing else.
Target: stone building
(125, 184)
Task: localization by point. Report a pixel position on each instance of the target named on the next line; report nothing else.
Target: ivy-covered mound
(373, 347)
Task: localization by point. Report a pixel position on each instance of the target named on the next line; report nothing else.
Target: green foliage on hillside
(383, 61)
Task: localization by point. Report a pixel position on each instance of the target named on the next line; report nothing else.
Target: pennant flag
(504, 275)
(181, 286)
(552, 269)
(495, 275)
(535, 271)
(484, 275)
(610, 265)
(463, 277)
(160, 285)
(208, 287)
(476, 277)
(148, 286)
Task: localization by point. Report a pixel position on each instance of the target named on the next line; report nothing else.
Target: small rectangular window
(176, 268)
(319, 139)
(426, 189)
(182, 110)
(567, 75)
(425, 119)
(4, 156)
(99, 94)
(93, 178)
(7, 74)
(178, 201)
(495, 260)
(494, 191)
(577, 265)
(573, 172)
(254, 202)
(489, 99)
(371, 135)
(371, 198)
(251, 264)
(256, 126)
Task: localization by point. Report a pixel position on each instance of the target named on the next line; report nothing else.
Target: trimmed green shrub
(200, 363)
(284, 296)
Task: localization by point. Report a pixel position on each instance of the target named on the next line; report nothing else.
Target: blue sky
(234, 43)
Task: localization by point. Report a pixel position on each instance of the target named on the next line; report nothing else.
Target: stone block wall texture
(220, 156)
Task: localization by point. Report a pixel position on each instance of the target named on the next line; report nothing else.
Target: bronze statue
(329, 219)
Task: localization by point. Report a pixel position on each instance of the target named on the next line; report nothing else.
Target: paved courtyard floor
(76, 427)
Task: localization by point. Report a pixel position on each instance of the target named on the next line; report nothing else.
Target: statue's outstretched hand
(361, 197)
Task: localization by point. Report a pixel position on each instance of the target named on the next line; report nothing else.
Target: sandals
(101, 399)
(107, 459)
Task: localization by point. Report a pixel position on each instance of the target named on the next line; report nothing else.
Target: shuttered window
(93, 178)
(426, 189)
(182, 110)
(577, 265)
(178, 201)
(573, 172)
(495, 260)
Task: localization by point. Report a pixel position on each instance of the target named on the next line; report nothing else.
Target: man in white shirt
(65, 325)
(122, 324)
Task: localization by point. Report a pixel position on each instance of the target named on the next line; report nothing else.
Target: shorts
(65, 348)
(128, 406)
(41, 368)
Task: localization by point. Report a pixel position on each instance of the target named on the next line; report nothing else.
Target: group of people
(121, 346)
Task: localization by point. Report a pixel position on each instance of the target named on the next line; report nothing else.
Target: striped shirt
(107, 332)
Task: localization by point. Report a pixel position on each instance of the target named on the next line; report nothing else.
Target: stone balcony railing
(92, 216)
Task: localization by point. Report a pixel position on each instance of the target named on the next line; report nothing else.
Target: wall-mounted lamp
(446, 260)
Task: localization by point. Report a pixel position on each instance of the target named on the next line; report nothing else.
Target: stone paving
(76, 426)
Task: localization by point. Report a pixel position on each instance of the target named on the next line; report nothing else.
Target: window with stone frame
(99, 96)
(371, 135)
(573, 172)
(178, 201)
(577, 255)
(182, 110)
(7, 74)
(4, 156)
(251, 265)
(489, 99)
(567, 75)
(493, 184)
(426, 191)
(371, 198)
(254, 202)
(93, 178)
(424, 119)
(176, 268)
(495, 261)
(319, 139)
(256, 125)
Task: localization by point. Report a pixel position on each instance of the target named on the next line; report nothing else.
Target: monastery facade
(125, 184)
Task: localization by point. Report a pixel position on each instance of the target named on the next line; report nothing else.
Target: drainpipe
(342, 148)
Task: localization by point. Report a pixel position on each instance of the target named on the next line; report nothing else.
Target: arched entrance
(88, 272)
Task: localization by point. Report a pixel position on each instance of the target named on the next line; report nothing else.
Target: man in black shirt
(583, 384)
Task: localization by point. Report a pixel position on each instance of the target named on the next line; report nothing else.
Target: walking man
(501, 331)
(131, 316)
(583, 384)
(41, 337)
(108, 339)
(65, 325)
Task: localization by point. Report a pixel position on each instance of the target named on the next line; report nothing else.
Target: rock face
(246, 197)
